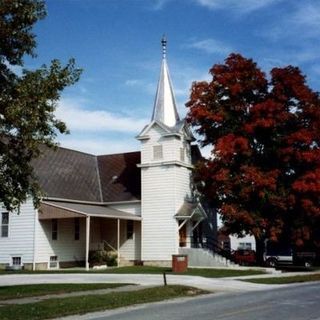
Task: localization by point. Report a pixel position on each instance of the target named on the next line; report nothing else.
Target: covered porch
(190, 217)
(71, 230)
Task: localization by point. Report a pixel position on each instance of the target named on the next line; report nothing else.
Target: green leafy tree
(27, 101)
(264, 176)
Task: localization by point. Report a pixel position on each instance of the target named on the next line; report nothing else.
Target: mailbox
(179, 263)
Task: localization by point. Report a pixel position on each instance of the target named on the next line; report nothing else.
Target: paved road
(294, 302)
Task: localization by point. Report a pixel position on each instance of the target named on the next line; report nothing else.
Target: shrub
(103, 257)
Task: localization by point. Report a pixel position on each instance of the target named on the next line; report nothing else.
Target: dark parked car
(278, 253)
(244, 257)
(306, 258)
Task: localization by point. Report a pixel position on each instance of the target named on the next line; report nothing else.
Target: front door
(183, 236)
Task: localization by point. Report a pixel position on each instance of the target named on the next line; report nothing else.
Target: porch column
(87, 241)
(118, 242)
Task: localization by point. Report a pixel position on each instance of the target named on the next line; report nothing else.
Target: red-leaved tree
(264, 173)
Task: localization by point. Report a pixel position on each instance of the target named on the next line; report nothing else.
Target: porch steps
(199, 257)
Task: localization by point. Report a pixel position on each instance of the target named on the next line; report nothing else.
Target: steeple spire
(164, 46)
(164, 109)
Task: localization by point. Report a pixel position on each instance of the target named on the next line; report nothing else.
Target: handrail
(106, 243)
(212, 245)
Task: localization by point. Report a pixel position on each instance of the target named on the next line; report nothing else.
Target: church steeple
(164, 109)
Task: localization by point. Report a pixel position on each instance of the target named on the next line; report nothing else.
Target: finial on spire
(164, 46)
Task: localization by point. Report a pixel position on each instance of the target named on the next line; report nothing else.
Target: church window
(188, 152)
(129, 229)
(4, 224)
(16, 261)
(53, 262)
(157, 152)
(54, 229)
(244, 246)
(76, 228)
(182, 154)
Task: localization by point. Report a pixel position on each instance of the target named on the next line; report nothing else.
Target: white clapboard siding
(164, 188)
(159, 227)
(182, 187)
(66, 247)
(130, 248)
(133, 208)
(21, 235)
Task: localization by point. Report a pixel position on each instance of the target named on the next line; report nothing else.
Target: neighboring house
(234, 242)
(139, 204)
(245, 243)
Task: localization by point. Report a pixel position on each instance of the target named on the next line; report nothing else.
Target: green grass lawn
(210, 273)
(54, 308)
(221, 273)
(32, 290)
(286, 280)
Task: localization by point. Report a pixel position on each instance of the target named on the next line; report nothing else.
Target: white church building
(140, 205)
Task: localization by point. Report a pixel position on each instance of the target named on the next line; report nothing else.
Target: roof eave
(91, 202)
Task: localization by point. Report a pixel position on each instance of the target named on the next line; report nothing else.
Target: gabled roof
(143, 134)
(73, 175)
(180, 128)
(69, 174)
(191, 210)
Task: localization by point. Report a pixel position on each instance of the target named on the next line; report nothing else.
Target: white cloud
(296, 34)
(206, 151)
(316, 69)
(243, 6)
(211, 46)
(99, 145)
(133, 82)
(148, 87)
(14, 68)
(159, 4)
(301, 22)
(78, 118)
(308, 14)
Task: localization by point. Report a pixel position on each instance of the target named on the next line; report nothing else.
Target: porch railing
(212, 245)
(106, 245)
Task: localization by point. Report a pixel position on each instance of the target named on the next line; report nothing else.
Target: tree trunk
(260, 249)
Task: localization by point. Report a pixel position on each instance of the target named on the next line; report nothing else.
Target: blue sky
(117, 43)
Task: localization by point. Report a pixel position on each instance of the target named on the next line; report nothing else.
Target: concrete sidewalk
(209, 284)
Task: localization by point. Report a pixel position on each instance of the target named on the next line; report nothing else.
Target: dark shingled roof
(69, 174)
(74, 175)
(89, 209)
(120, 177)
